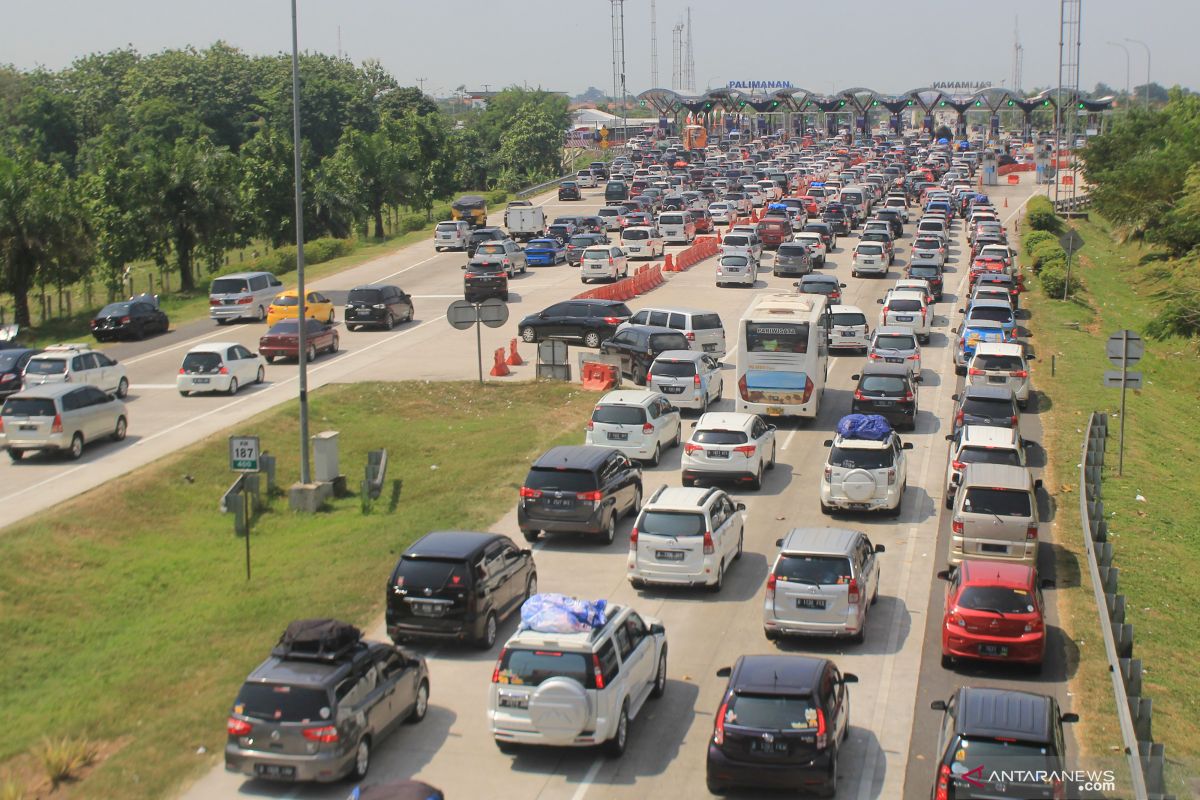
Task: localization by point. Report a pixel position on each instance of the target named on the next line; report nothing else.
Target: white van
(677, 227)
(241, 295)
(642, 241)
(703, 329)
(451, 235)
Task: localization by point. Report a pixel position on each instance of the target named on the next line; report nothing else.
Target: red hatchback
(994, 612)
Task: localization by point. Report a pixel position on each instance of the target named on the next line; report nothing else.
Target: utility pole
(691, 65)
(1147, 48)
(1018, 56)
(301, 355)
(653, 46)
(677, 56)
(421, 84)
(339, 43)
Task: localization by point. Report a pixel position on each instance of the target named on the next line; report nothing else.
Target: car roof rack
(704, 497)
(325, 640)
(67, 347)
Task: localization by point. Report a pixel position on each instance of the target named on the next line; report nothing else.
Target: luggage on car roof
(558, 613)
(864, 426)
(317, 638)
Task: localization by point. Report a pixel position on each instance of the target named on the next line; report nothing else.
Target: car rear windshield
(619, 415)
(870, 249)
(491, 249)
(706, 322)
(563, 480)
(975, 752)
(734, 261)
(821, 570)
(286, 300)
(1004, 599)
(363, 296)
(46, 366)
(987, 406)
(662, 342)
(849, 318)
(634, 234)
(923, 272)
(737, 240)
(992, 313)
(854, 458)
(429, 573)
(582, 241)
(522, 667)
(114, 310)
(674, 369)
(777, 337)
(615, 310)
(277, 702)
(927, 244)
(670, 219)
(444, 227)
(9, 359)
(492, 268)
(1003, 502)
(1000, 363)
(772, 712)
(883, 384)
(720, 437)
(596, 253)
(671, 523)
(789, 249)
(904, 305)
(228, 286)
(201, 362)
(28, 407)
(989, 455)
(287, 327)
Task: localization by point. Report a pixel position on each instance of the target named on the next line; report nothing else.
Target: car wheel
(689, 482)
(771, 463)
(530, 536)
(830, 789)
(531, 586)
(758, 478)
(895, 512)
(528, 334)
(310, 355)
(351, 328)
(362, 759)
(504, 297)
(262, 313)
(827, 510)
(637, 503)
(221, 320)
(333, 348)
(657, 456)
(121, 429)
(123, 388)
(678, 434)
(772, 636)
(508, 748)
(420, 704)
(233, 386)
(716, 585)
(16, 454)
(609, 534)
(76, 449)
(487, 640)
(183, 393)
(331, 317)
(615, 747)
(660, 677)
(947, 662)
(714, 788)
(591, 339)
(584, 280)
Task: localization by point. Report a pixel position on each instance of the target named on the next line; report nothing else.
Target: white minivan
(638, 422)
(677, 227)
(703, 328)
(642, 241)
(686, 537)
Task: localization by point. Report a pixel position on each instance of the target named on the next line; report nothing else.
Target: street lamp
(305, 477)
(1143, 44)
(1126, 49)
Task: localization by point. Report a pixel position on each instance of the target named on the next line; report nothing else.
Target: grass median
(125, 613)
(1152, 511)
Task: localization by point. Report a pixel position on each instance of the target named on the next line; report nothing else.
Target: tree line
(1144, 175)
(179, 156)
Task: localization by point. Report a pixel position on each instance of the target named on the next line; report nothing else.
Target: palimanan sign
(753, 85)
(961, 86)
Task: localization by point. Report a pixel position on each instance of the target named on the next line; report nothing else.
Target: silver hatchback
(60, 417)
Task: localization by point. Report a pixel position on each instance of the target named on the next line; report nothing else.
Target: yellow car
(286, 305)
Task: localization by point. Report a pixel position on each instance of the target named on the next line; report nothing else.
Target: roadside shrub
(62, 758)
(326, 249)
(1046, 250)
(1179, 302)
(1041, 216)
(412, 222)
(1053, 278)
(1034, 238)
(497, 197)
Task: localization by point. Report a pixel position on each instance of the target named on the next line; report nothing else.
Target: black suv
(458, 585)
(581, 489)
(586, 321)
(985, 405)
(836, 217)
(987, 730)
(569, 190)
(12, 367)
(638, 345)
(616, 192)
(780, 724)
(930, 273)
(886, 390)
(314, 709)
(484, 280)
(377, 304)
(481, 235)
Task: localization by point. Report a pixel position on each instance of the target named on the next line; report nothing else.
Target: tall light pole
(305, 476)
(1143, 44)
(1127, 63)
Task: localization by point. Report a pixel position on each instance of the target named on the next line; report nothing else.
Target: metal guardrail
(1146, 757)
(541, 187)
(1076, 203)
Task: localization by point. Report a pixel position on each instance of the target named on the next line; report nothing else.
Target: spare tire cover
(859, 485)
(559, 710)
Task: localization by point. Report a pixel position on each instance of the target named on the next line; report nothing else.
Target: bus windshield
(777, 337)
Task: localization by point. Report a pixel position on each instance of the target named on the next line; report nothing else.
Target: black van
(579, 489)
(458, 585)
(616, 192)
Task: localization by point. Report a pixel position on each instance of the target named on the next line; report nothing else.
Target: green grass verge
(1155, 540)
(125, 613)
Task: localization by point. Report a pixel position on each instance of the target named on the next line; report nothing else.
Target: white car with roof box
(643, 241)
(76, 363)
(816, 246)
(638, 422)
(688, 378)
(865, 475)
(848, 328)
(686, 537)
(729, 446)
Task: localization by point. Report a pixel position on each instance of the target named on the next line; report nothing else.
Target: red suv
(994, 612)
(774, 231)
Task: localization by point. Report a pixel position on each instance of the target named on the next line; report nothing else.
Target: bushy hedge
(414, 222)
(1053, 278)
(1034, 238)
(1047, 251)
(1041, 216)
(283, 259)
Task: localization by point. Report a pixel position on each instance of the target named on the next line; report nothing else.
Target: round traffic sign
(461, 314)
(493, 312)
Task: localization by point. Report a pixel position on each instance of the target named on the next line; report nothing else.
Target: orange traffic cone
(669, 264)
(514, 358)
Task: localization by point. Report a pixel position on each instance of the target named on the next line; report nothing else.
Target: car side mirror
(464, 266)
(526, 552)
(943, 574)
(938, 705)
(796, 284)
(907, 446)
(949, 437)
(855, 377)
(1069, 717)
(879, 301)
(1028, 443)
(962, 311)
(842, 285)
(1029, 357)
(1048, 583)
(880, 548)
(1037, 484)
(724, 672)
(954, 397)
(740, 506)
(657, 629)
(849, 677)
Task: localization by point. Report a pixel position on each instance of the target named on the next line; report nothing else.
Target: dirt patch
(26, 772)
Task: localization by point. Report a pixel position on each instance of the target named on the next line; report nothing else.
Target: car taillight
(943, 783)
(597, 674)
(853, 594)
(822, 731)
(612, 321)
(1021, 373)
(973, 371)
(1013, 420)
(182, 371)
(499, 661)
(648, 427)
(223, 370)
(908, 397)
(958, 418)
(808, 389)
(212, 301)
(95, 323)
(858, 395)
(56, 426)
(325, 734)
(633, 538)
(591, 426)
(956, 527)
(532, 493)
(958, 465)
(874, 356)
(886, 310)
(922, 315)
(1031, 533)
(691, 336)
(1034, 625)
(594, 497)
(719, 728)
(747, 450)
(237, 727)
(469, 275)
(245, 301)
(891, 476)
(709, 547)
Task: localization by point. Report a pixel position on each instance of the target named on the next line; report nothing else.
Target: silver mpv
(61, 417)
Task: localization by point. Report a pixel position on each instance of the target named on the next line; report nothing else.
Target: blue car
(545, 252)
(972, 334)
(999, 311)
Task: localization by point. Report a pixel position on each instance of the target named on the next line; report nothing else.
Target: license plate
(201, 380)
(710, 348)
(672, 389)
(274, 771)
(857, 506)
(29, 427)
(428, 609)
(884, 402)
(772, 748)
(996, 650)
(997, 379)
(905, 319)
(894, 360)
(521, 701)
(775, 411)
(810, 602)
(845, 333)
(717, 453)
(994, 548)
(560, 502)
(669, 555)
(618, 437)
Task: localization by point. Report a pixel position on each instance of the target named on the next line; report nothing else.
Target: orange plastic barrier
(514, 358)
(499, 368)
(669, 263)
(1014, 179)
(599, 377)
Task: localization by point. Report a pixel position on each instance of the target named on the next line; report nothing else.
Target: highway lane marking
(406, 269)
(433, 296)
(153, 386)
(588, 777)
(165, 350)
(787, 440)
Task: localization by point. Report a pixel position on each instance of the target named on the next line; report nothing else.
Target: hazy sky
(885, 45)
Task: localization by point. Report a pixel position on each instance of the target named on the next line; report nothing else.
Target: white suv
(906, 309)
(865, 475)
(76, 363)
(577, 689)
(981, 444)
(686, 537)
(687, 378)
(729, 445)
(849, 328)
(1001, 364)
(639, 423)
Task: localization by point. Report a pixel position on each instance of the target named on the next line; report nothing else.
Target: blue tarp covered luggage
(558, 613)
(864, 426)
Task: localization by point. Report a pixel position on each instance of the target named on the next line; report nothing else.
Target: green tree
(116, 208)
(379, 165)
(268, 187)
(531, 145)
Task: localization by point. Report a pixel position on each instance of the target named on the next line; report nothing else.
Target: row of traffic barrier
(700, 249)
(640, 282)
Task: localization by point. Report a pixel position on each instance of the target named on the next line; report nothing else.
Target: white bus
(783, 355)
